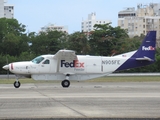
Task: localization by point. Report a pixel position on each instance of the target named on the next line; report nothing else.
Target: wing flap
(65, 55)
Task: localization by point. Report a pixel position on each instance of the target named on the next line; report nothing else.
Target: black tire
(65, 83)
(17, 84)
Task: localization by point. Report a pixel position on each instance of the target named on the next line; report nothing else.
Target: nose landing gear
(17, 84)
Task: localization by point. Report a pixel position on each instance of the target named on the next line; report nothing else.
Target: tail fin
(145, 55)
(147, 48)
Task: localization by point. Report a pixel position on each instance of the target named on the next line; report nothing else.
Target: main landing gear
(65, 83)
(17, 84)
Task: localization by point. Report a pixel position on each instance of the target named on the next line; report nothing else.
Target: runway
(81, 100)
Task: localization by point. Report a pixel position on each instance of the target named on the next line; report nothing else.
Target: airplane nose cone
(6, 67)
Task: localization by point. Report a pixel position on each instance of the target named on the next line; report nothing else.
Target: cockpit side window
(37, 60)
(46, 62)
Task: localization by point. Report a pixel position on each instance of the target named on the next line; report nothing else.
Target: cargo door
(94, 65)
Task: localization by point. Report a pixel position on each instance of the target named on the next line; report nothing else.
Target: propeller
(7, 66)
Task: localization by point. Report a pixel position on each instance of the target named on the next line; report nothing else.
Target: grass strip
(102, 79)
(127, 79)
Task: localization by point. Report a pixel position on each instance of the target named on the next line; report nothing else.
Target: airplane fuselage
(88, 66)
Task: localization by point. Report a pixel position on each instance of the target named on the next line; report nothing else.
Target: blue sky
(38, 13)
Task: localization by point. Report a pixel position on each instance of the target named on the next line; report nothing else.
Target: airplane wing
(145, 58)
(65, 55)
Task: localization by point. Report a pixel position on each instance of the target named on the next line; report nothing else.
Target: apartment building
(9, 11)
(88, 25)
(54, 27)
(1, 8)
(6, 10)
(142, 20)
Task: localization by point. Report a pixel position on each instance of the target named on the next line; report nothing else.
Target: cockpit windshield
(38, 59)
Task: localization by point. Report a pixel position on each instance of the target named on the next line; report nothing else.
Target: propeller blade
(7, 67)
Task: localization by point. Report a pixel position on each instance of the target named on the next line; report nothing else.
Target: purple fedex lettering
(67, 64)
(75, 64)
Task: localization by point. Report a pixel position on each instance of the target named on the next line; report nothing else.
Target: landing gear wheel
(17, 84)
(65, 83)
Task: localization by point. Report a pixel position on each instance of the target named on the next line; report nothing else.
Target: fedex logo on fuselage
(73, 64)
(148, 48)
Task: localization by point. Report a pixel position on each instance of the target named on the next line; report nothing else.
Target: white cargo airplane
(65, 65)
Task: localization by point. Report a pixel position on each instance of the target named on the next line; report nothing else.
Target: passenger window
(46, 62)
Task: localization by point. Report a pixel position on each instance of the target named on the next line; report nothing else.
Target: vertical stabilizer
(145, 55)
(148, 47)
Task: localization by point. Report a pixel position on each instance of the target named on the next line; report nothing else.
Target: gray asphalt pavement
(81, 100)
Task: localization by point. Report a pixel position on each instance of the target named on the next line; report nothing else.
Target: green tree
(78, 41)
(106, 40)
(57, 40)
(47, 42)
(130, 44)
(12, 37)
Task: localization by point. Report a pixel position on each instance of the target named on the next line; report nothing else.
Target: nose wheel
(17, 84)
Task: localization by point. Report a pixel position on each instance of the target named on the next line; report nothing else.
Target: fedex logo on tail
(73, 64)
(148, 48)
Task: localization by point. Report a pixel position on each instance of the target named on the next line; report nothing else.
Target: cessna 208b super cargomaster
(65, 65)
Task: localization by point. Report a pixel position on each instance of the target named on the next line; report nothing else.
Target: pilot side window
(37, 60)
(46, 62)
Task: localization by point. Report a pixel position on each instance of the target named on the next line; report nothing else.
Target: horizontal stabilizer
(145, 58)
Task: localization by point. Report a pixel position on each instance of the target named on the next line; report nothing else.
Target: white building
(140, 25)
(54, 27)
(87, 25)
(1, 8)
(9, 11)
(6, 10)
(142, 20)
